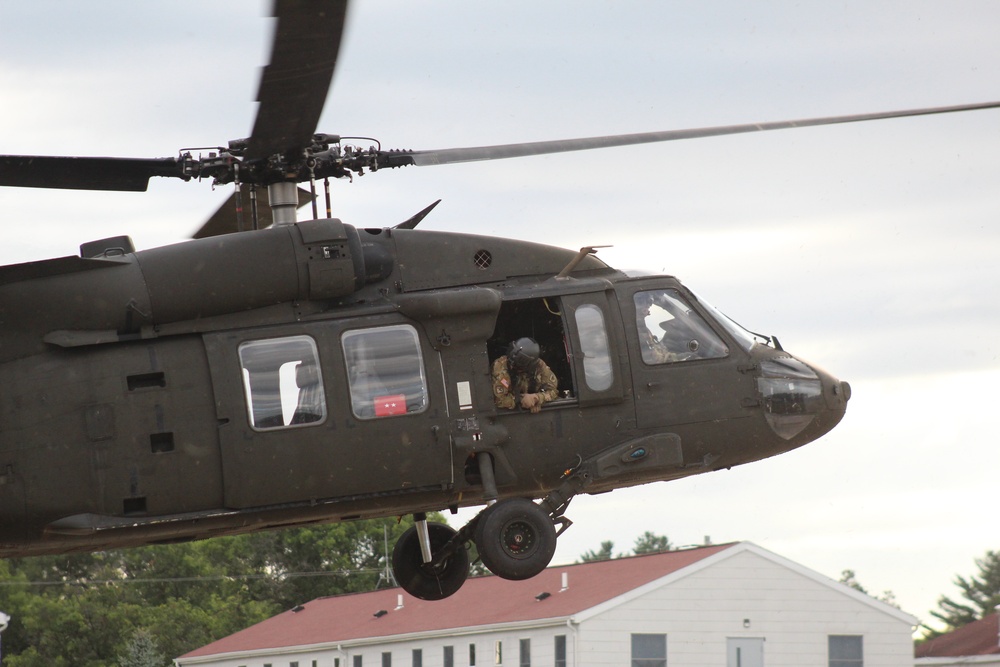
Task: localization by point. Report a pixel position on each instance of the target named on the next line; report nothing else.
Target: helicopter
(274, 372)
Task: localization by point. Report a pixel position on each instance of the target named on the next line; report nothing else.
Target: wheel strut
(423, 537)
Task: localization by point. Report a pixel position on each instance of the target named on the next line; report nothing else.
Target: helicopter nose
(798, 397)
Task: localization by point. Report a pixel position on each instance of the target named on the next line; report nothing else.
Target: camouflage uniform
(653, 350)
(507, 394)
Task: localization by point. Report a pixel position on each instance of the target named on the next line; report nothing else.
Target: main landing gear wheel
(516, 538)
(439, 578)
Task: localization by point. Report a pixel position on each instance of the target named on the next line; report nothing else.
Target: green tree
(94, 610)
(981, 593)
(651, 543)
(141, 651)
(647, 543)
(848, 578)
(604, 553)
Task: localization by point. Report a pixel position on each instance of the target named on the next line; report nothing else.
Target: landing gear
(428, 562)
(516, 538)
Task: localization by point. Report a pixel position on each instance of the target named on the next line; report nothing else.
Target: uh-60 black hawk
(274, 372)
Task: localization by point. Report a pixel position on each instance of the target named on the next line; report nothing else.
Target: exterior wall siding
(791, 612)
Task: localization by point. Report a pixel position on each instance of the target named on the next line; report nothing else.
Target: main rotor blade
(294, 86)
(84, 173)
(473, 154)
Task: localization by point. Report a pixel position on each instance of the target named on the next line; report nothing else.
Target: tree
(651, 543)
(141, 651)
(101, 609)
(981, 592)
(848, 578)
(647, 543)
(604, 553)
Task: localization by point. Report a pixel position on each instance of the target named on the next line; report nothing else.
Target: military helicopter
(274, 372)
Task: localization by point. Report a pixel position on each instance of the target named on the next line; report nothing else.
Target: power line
(199, 578)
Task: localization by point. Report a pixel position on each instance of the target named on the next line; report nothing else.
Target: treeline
(143, 607)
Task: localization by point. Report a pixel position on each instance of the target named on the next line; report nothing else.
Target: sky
(868, 249)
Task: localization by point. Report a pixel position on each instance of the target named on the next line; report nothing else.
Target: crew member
(520, 377)
(653, 349)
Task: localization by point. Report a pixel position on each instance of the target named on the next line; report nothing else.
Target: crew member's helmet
(523, 353)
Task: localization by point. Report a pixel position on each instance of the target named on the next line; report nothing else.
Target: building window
(498, 653)
(846, 651)
(385, 371)
(524, 657)
(293, 664)
(449, 656)
(357, 661)
(472, 655)
(282, 381)
(418, 657)
(387, 659)
(560, 651)
(649, 650)
(597, 369)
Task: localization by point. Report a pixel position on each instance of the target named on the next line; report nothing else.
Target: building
(973, 644)
(731, 604)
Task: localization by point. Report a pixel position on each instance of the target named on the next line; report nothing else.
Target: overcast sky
(869, 249)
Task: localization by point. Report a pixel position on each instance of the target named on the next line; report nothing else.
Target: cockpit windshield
(746, 338)
(670, 331)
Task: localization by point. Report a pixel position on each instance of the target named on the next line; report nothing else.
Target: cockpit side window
(671, 331)
(385, 371)
(282, 382)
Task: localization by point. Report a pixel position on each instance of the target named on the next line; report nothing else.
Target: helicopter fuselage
(316, 372)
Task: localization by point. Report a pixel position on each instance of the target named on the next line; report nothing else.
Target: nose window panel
(793, 395)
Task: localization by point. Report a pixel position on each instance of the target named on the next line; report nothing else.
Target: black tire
(516, 539)
(426, 581)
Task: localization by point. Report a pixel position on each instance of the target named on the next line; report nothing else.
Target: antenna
(386, 574)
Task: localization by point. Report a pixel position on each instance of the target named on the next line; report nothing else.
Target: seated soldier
(521, 378)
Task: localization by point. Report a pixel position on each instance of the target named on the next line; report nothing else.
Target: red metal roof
(481, 601)
(981, 637)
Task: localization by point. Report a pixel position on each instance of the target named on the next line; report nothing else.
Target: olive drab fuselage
(318, 372)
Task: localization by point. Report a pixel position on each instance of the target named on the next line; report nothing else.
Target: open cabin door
(320, 411)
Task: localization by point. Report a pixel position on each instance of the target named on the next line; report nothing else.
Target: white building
(732, 604)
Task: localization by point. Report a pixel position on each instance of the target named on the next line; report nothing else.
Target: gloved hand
(532, 402)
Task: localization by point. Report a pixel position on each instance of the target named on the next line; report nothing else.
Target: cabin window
(597, 370)
(649, 650)
(283, 383)
(670, 330)
(385, 371)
